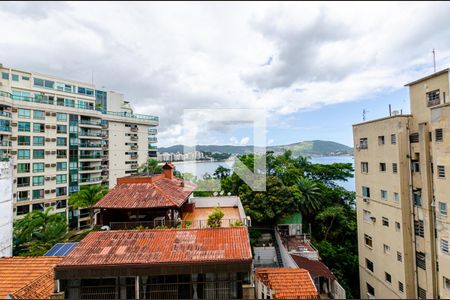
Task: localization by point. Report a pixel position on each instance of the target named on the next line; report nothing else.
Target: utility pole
(434, 60)
(365, 111)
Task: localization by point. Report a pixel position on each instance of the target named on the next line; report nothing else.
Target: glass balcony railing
(90, 168)
(90, 156)
(5, 144)
(153, 131)
(95, 134)
(93, 123)
(132, 116)
(5, 128)
(84, 145)
(152, 139)
(5, 114)
(94, 179)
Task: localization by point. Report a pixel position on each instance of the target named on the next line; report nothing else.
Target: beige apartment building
(402, 168)
(62, 135)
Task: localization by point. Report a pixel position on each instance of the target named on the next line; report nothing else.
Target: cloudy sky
(312, 67)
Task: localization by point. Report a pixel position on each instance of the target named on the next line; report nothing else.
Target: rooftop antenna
(365, 111)
(434, 60)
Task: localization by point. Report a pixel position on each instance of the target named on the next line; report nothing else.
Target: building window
(23, 154)
(26, 78)
(386, 249)
(38, 167)
(24, 126)
(394, 168)
(364, 167)
(420, 260)
(439, 135)
(441, 171)
(39, 115)
(38, 141)
(73, 165)
(366, 191)
(382, 167)
(444, 246)
(23, 168)
(38, 154)
(23, 181)
(415, 166)
(367, 216)
(393, 139)
(385, 221)
(443, 208)
(381, 140)
(61, 191)
(396, 197)
(433, 98)
(369, 265)
(24, 113)
(15, 77)
(384, 195)
(61, 153)
(414, 137)
(5, 76)
(23, 210)
(421, 293)
(399, 256)
(363, 143)
(400, 286)
(38, 127)
(417, 197)
(62, 178)
(61, 141)
(387, 277)
(38, 194)
(368, 240)
(38, 180)
(61, 128)
(397, 226)
(446, 283)
(61, 166)
(370, 290)
(419, 228)
(23, 140)
(60, 117)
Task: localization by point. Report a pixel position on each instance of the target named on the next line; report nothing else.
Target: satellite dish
(215, 194)
(229, 194)
(221, 193)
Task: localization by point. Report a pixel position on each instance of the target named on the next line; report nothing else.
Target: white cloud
(167, 57)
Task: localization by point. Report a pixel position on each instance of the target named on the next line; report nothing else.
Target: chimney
(168, 170)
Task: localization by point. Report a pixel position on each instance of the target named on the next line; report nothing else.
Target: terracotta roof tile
(315, 267)
(147, 192)
(29, 277)
(159, 246)
(288, 283)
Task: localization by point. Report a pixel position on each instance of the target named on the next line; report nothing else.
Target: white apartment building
(6, 208)
(63, 135)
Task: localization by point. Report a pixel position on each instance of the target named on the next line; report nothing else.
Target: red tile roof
(161, 246)
(27, 277)
(287, 283)
(315, 267)
(147, 192)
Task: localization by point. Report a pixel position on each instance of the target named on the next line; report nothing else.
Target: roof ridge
(165, 195)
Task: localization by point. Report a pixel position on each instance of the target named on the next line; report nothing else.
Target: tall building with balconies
(63, 135)
(402, 192)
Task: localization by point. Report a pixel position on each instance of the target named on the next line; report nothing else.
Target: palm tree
(87, 197)
(150, 167)
(38, 231)
(310, 200)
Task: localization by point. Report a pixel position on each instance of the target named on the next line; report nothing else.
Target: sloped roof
(315, 267)
(27, 277)
(147, 192)
(160, 246)
(287, 283)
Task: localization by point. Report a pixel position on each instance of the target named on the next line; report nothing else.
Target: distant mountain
(313, 148)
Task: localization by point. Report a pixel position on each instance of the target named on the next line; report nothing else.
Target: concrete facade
(402, 166)
(6, 208)
(64, 135)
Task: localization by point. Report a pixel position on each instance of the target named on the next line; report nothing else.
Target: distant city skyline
(314, 67)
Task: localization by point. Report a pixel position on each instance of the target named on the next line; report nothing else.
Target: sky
(312, 67)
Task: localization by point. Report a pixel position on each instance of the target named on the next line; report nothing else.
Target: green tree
(221, 172)
(309, 200)
(215, 218)
(150, 167)
(87, 197)
(38, 231)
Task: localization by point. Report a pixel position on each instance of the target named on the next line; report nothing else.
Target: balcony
(152, 139)
(5, 144)
(93, 156)
(152, 131)
(132, 116)
(91, 134)
(5, 114)
(91, 123)
(5, 129)
(90, 168)
(90, 180)
(89, 145)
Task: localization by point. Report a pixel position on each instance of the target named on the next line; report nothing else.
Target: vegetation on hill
(315, 147)
(294, 184)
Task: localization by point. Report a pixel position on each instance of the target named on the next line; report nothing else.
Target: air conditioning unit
(13, 152)
(53, 126)
(14, 109)
(46, 204)
(53, 177)
(13, 124)
(53, 191)
(48, 139)
(47, 113)
(53, 140)
(53, 152)
(53, 114)
(15, 167)
(47, 152)
(367, 200)
(14, 195)
(15, 180)
(47, 191)
(13, 138)
(47, 178)
(53, 165)
(373, 219)
(358, 147)
(47, 126)
(47, 165)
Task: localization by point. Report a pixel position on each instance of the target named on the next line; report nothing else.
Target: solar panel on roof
(61, 249)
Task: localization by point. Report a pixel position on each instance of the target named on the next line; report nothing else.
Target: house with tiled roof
(27, 277)
(284, 283)
(149, 201)
(158, 263)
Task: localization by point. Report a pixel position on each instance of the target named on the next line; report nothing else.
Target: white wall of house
(6, 208)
